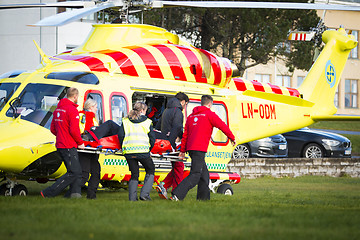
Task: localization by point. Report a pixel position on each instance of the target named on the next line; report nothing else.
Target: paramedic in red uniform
(196, 137)
(171, 126)
(89, 161)
(65, 126)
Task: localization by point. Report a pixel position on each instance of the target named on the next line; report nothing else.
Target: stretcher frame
(171, 156)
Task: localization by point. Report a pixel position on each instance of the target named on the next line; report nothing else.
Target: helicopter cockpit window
(11, 74)
(6, 91)
(36, 103)
(80, 77)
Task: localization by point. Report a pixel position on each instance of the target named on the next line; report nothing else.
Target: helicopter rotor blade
(240, 4)
(70, 16)
(72, 4)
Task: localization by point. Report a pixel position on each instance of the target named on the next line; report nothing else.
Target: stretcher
(162, 155)
(161, 151)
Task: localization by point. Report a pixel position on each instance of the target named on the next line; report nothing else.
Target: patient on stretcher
(106, 136)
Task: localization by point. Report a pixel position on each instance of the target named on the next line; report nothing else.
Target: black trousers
(199, 175)
(108, 128)
(90, 165)
(133, 163)
(72, 177)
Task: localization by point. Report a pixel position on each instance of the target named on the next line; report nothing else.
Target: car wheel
(241, 151)
(225, 189)
(313, 150)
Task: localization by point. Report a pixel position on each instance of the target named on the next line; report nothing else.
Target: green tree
(248, 37)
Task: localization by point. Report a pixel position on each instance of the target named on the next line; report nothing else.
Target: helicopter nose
(22, 143)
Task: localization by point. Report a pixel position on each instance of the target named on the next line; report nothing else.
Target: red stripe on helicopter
(106, 176)
(300, 36)
(258, 86)
(275, 89)
(228, 69)
(231, 176)
(193, 61)
(235, 177)
(94, 64)
(240, 84)
(213, 175)
(293, 92)
(173, 61)
(215, 66)
(150, 62)
(124, 62)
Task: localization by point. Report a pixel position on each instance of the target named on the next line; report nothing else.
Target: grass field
(265, 208)
(338, 125)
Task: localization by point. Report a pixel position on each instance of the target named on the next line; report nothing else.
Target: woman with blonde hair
(137, 138)
(89, 161)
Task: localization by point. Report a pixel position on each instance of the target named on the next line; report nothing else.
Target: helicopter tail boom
(321, 82)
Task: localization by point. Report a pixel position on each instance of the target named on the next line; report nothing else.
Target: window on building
(336, 98)
(300, 80)
(118, 108)
(351, 93)
(354, 51)
(263, 78)
(282, 80)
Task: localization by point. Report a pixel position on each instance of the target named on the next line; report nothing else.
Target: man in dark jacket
(65, 126)
(196, 137)
(171, 126)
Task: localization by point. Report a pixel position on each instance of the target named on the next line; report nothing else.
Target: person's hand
(233, 143)
(82, 146)
(181, 156)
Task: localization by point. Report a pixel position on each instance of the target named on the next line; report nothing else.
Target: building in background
(18, 51)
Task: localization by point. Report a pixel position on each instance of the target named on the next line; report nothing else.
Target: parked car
(310, 143)
(274, 146)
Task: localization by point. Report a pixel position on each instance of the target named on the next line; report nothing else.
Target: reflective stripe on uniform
(136, 138)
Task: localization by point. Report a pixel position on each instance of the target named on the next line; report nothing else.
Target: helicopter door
(98, 97)
(218, 138)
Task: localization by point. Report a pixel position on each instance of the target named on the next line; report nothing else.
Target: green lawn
(338, 125)
(264, 208)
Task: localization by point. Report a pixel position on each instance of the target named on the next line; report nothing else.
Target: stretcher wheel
(225, 189)
(4, 190)
(20, 190)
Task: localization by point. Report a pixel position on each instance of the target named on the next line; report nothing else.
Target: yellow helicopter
(120, 64)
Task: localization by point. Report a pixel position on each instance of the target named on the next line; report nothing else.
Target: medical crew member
(65, 126)
(198, 129)
(137, 139)
(89, 161)
(171, 126)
